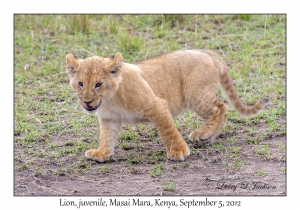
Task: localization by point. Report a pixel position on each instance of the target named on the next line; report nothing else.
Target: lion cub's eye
(99, 84)
(80, 84)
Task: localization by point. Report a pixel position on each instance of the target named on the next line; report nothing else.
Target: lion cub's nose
(87, 103)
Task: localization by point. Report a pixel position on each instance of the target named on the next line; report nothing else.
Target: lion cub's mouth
(92, 108)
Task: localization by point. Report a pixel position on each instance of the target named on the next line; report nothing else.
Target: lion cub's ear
(72, 64)
(116, 64)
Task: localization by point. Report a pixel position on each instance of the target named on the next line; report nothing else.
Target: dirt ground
(194, 176)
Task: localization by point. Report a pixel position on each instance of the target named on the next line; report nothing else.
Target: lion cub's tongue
(89, 107)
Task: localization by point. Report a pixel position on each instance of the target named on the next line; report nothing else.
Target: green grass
(260, 172)
(169, 186)
(263, 150)
(50, 125)
(237, 163)
(283, 170)
(157, 170)
(105, 169)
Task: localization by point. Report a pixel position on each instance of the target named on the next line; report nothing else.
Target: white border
(8, 201)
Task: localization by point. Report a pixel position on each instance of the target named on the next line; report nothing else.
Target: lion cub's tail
(229, 90)
(230, 93)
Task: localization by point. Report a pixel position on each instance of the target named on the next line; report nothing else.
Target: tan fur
(156, 90)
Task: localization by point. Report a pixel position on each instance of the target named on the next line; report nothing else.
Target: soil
(194, 176)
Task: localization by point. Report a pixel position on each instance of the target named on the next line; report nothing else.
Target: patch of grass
(156, 156)
(252, 140)
(225, 163)
(260, 172)
(129, 43)
(236, 149)
(245, 16)
(129, 135)
(81, 146)
(24, 166)
(157, 170)
(132, 169)
(125, 145)
(68, 150)
(283, 169)
(195, 151)
(281, 146)
(238, 163)
(105, 169)
(177, 123)
(231, 140)
(134, 158)
(158, 33)
(263, 150)
(169, 186)
(219, 145)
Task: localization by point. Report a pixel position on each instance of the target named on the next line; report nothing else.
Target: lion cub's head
(94, 79)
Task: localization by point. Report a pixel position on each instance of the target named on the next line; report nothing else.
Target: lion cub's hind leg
(214, 115)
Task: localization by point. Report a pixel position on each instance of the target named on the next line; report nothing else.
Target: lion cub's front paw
(98, 155)
(179, 153)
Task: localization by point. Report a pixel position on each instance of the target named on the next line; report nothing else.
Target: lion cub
(155, 90)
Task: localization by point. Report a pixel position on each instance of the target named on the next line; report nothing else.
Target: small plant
(24, 166)
(81, 146)
(195, 151)
(151, 133)
(231, 140)
(80, 23)
(245, 16)
(236, 149)
(64, 170)
(158, 33)
(132, 169)
(113, 28)
(55, 154)
(135, 158)
(238, 163)
(205, 157)
(177, 123)
(219, 145)
(260, 173)
(105, 169)
(129, 43)
(69, 143)
(157, 170)
(252, 140)
(169, 186)
(263, 150)
(68, 150)
(157, 156)
(225, 163)
(283, 169)
(125, 145)
(129, 135)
